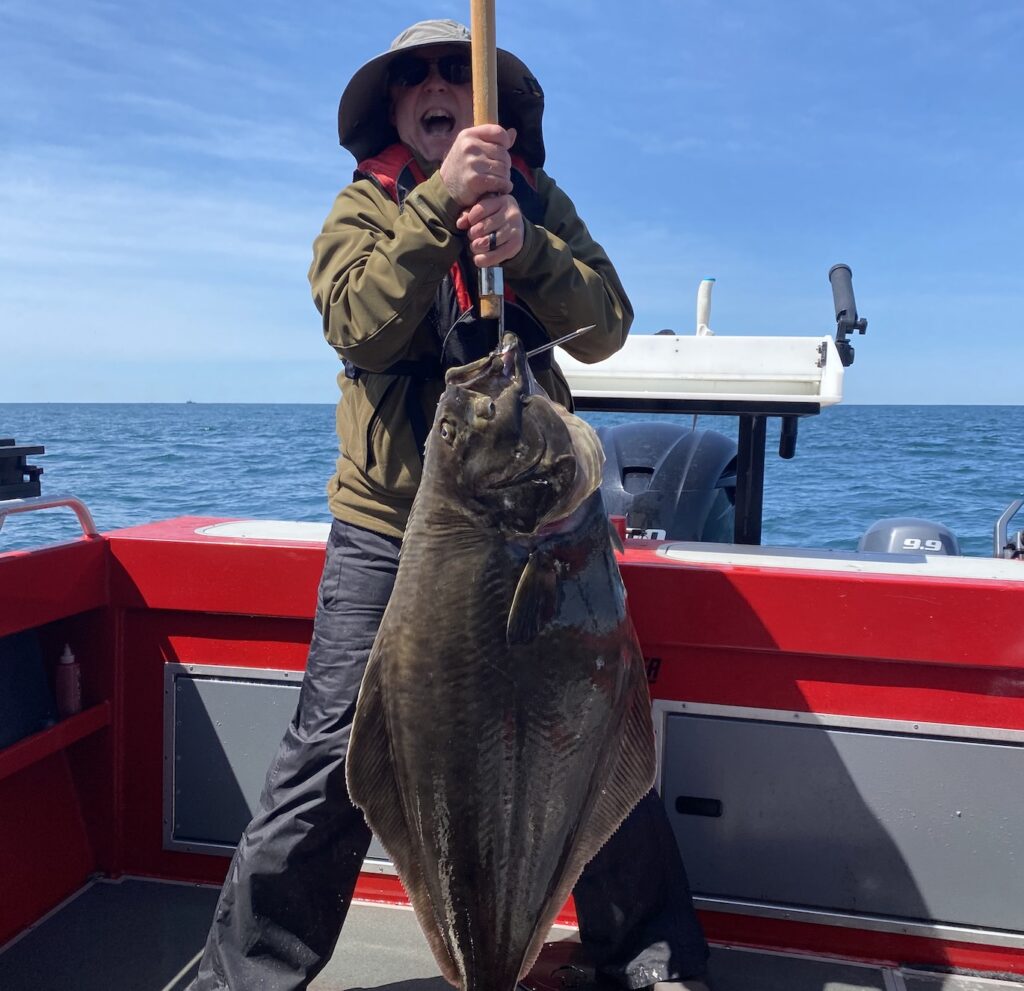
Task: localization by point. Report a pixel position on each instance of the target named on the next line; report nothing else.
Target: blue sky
(165, 167)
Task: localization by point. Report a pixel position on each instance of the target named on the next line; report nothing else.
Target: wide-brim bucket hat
(364, 127)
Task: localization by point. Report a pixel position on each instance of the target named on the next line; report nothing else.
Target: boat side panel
(57, 787)
(966, 623)
(152, 639)
(864, 645)
(742, 642)
(51, 583)
(45, 854)
(170, 566)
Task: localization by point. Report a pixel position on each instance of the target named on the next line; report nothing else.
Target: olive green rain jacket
(374, 277)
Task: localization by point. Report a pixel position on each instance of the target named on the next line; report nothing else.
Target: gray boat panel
(853, 821)
(222, 727)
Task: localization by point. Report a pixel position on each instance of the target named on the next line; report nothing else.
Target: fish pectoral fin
(535, 600)
(372, 786)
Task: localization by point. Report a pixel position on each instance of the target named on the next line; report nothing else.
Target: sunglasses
(411, 70)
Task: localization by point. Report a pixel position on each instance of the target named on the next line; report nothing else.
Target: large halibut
(503, 729)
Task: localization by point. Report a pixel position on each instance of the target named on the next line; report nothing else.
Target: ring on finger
(492, 241)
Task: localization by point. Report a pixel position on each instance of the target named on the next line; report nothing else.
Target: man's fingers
(492, 221)
(481, 211)
(478, 235)
(493, 224)
(487, 207)
(501, 253)
(493, 133)
(493, 237)
(478, 164)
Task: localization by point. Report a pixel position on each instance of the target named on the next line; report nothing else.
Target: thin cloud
(175, 124)
(164, 168)
(68, 210)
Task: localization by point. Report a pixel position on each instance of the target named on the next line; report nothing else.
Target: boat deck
(143, 935)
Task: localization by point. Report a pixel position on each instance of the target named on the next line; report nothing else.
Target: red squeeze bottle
(69, 684)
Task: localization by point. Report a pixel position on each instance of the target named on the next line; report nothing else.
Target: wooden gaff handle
(485, 111)
(485, 62)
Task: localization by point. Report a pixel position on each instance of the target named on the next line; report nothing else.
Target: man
(394, 276)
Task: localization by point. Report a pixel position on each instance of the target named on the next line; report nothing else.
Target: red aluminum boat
(840, 737)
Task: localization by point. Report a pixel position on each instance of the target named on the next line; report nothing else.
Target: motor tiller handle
(485, 111)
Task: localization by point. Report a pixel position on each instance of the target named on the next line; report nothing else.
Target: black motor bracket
(18, 480)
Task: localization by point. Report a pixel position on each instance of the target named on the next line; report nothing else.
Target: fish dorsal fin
(372, 787)
(535, 599)
(627, 777)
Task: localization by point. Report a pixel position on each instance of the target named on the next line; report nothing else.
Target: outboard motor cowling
(909, 535)
(670, 481)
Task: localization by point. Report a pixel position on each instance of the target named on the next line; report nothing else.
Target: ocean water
(133, 463)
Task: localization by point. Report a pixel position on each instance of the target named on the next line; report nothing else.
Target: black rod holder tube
(787, 437)
(847, 321)
(842, 296)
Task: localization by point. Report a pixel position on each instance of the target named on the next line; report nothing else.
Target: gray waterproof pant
(291, 880)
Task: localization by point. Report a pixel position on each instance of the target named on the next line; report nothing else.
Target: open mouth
(525, 474)
(436, 121)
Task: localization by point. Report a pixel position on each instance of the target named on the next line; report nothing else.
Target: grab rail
(1004, 547)
(8, 507)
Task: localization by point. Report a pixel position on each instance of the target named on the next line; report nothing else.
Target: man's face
(429, 114)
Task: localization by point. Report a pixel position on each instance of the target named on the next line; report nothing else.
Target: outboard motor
(909, 535)
(670, 481)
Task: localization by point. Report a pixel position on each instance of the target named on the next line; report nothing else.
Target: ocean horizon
(955, 464)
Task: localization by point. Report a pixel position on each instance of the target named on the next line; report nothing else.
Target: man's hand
(478, 163)
(497, 215)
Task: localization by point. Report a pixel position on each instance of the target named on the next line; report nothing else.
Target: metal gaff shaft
(485, 111)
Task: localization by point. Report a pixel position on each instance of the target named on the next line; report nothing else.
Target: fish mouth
(526, 475)
(516, 366)
(506, 366)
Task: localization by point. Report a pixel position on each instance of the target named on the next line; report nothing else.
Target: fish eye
(447, 431)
